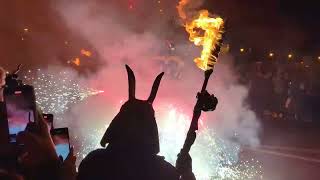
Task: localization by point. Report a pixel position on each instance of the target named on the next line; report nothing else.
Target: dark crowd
(281, 88)
(32, 149)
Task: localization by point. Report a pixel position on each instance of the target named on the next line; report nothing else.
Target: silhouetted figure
(133, 144)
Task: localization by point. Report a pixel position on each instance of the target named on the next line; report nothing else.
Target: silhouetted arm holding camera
(39, 158)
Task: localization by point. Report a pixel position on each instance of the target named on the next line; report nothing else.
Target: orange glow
(85, 53)
(181, 7)
(209, 38)
(203, 31)
(76, 61)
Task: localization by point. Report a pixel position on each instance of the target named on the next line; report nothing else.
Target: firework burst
(56, 92)
(213, 157)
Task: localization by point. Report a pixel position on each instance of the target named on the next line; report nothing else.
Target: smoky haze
(137, 36)
(119, 41)
(120, 35)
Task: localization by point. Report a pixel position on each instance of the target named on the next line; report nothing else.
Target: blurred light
(242, 50)
(85, 52)
(76, 61)
(26, 30)
(318, 57)
(271, 54)
(290, 56)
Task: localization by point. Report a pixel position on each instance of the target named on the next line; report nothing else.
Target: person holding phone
(40, 160)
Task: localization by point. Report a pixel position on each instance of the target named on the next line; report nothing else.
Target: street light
(271, 54)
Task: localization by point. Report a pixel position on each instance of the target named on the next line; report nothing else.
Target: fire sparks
(181, 7)
(57, 91)
(76, 61)
(203, 31)
(86, 53)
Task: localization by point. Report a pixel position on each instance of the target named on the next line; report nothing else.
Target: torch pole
(191, 135)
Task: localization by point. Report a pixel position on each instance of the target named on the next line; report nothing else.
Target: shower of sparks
(212, 157)
(56, 92)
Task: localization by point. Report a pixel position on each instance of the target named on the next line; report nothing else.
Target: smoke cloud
(111, 32)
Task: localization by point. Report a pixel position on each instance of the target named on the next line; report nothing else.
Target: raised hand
(184, 166)
(69, 171)
(39, 157)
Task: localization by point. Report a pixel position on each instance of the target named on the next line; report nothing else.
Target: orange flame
(181, 7)
(76, 61)
(85, 53)
(209, 38)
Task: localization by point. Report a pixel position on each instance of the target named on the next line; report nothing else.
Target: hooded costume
(133, 144)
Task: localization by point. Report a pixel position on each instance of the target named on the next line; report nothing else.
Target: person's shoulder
(97, 153)
(93, 159)
(161, 161)
(95, 156)
(166, 168)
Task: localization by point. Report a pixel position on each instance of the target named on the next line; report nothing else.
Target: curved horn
(155, 88)
(132, 83)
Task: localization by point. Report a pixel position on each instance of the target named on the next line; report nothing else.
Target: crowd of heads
(280, 88)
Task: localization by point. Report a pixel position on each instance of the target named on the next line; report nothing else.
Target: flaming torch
(207, 32)
(212, 28)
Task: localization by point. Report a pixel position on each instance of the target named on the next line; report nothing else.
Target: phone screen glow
(62, 146)
(19, 113)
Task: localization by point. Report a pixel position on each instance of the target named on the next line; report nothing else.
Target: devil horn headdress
(155, 88)
(132, 83)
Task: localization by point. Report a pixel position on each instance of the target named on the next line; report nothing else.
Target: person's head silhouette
(135, 127)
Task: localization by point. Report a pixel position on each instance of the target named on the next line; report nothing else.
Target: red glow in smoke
(131, 4)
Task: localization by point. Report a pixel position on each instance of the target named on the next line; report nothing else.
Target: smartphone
(49, 120)
(20, 105)
(61, 141)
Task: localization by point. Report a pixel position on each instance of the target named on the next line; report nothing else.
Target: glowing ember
(181, 7)
(76, 61)
(86, 53)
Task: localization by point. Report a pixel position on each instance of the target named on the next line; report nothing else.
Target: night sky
(279, 24)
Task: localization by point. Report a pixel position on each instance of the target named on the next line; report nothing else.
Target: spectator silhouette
(133, 144)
